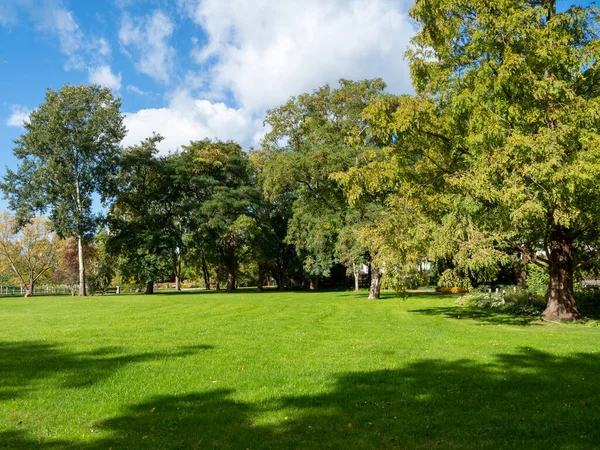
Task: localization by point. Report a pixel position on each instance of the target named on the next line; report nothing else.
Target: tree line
(492, 162)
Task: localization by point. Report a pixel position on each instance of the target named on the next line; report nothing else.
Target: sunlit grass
(290, 370)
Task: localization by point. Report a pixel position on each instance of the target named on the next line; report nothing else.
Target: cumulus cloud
(19, 115)
(265, 51)
(146, 40)
(104, 76)
(187, 118)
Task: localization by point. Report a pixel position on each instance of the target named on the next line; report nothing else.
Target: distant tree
(68, 153)
(313, 136)
(223, 201)
(30, 253)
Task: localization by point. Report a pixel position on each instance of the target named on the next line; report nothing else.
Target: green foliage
(451, 278)
(537, 280)
(68, 153)
(141, 220)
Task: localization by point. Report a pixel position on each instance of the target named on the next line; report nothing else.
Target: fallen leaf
(439, 442)
(521, 420)
(349, 425)
(286, 417)
(153, 409)
(20, 422)
(144, 437)
(242, 368)
(389, 403)
(392, 440)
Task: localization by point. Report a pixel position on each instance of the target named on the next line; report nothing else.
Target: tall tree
(68, 153)
(142, 229)
(312, 137)
(503, 136)
(222, 191)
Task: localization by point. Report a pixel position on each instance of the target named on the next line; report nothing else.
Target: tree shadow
(486, 316)
(25, 364)
(528, 399)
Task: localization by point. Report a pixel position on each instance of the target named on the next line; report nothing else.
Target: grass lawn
(291, 370)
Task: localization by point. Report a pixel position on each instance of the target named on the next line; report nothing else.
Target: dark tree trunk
(261, 278)
(314, 283)
(178, 272)
(561, 299)
(521, 271)
(231, 280)
(150, 287)
(375, 290)
(280, 275)
(205, 274)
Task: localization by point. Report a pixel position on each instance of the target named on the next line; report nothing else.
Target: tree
(140, 220)
(312, 137)
(502, 137)
(68, 153)
(223, 198)
(29, 253)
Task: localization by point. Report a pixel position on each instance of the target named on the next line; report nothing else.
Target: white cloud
(135, 90)
(268, 50)
(148, 39)
(104, 76)
(20, 114)
(61, 22)
(186, 119)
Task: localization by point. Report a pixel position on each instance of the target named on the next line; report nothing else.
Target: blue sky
(190, 69)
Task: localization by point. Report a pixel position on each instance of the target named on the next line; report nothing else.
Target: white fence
(18, 291)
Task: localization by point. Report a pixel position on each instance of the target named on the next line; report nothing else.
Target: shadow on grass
(488, 316)
(528, 399)
(24, 364)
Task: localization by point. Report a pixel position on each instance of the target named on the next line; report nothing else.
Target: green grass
(291, 370)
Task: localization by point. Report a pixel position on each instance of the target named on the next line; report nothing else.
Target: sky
(191, 69)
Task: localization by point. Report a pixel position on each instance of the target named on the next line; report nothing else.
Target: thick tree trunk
(150, 287)
(375, 290)
(82, 292)
(231, 281)
(314, 283)
(561, 299)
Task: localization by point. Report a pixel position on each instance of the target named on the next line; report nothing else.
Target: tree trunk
(375, 290)
(521, 271)
(261, 278)
(82, 292)
(356, 280)
(231, 281)
(29, 289)
(205, 274)
(150, 287)
(561, 299)
(314, 283)
(178, 272)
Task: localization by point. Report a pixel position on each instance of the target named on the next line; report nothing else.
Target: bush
(588, 302)
(519, 303)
